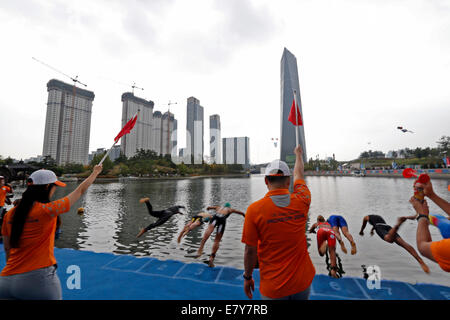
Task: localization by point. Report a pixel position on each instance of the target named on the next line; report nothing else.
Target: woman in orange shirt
(28, 237)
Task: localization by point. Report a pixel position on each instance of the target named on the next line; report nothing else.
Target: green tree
(107, 164)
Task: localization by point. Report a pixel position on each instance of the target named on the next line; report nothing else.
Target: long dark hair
(34, 193)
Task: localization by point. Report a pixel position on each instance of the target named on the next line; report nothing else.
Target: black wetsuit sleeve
(159, 222)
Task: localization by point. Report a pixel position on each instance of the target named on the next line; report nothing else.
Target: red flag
(292, 115)
(127, 128)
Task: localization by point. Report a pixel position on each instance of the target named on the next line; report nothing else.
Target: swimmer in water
(162, 215)
(326, 239)
(390, 235)
(196, 221)
(218, 221)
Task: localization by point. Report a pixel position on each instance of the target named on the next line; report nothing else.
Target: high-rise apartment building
(141, 135)
(215, 140)
(289, 83)
(156, 136)
(236, 151)
(68, 123)
(194, 133)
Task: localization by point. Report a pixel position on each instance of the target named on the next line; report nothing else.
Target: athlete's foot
(343, 248)
(353, 248)
(199, 253)
(425, 267)
(141, 233)
(211, 260)
(143, 200)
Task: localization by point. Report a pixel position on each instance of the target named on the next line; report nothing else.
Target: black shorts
(219, 222)
(383, 229)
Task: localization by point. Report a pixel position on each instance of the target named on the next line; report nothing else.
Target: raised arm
(299, 165)
(212, 207)
(429, 192)
(82, 188)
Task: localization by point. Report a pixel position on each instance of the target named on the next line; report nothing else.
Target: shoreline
(433, 173)
(133, 178)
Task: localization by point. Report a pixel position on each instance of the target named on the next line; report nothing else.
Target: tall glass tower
(194, 134)
(289, 83)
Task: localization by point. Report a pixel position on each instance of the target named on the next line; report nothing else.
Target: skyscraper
(68, 123)
(168, 134)
(289, 83)
(215, 140)
(141, 135)
(194, 134)
(236, 151)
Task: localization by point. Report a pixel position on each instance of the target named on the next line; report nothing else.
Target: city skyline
(362, 72)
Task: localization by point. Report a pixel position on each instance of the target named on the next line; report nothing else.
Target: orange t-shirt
(37, 240)
(276, 224)
(3, 191)
(441, 253)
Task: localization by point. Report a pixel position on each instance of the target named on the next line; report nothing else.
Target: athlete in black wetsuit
(390, 235)
(162, 215)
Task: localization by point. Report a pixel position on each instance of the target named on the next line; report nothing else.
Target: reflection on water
(114, 216)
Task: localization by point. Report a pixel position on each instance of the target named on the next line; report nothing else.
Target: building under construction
(68, 123)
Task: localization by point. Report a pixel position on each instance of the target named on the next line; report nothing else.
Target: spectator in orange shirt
(437, 251)
(5, 193)
(28, 237)
(274, 234)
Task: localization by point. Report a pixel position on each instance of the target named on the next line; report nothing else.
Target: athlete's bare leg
(350, 238)
(339, 239)
(215, 248)
(205, 238)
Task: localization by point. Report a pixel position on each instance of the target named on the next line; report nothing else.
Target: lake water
(114, 216)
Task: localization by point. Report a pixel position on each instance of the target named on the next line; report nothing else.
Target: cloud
(245, 23)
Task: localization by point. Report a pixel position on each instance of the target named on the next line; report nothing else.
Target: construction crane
(70, 130)
(134, 87)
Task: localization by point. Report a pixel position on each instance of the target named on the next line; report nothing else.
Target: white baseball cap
(42, 177)
(275, 166)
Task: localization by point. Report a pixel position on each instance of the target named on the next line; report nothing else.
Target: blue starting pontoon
(106, 276)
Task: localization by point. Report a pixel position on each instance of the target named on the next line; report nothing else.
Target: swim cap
(227, 205)
(80, 211)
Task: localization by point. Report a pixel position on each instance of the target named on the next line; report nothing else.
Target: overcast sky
(365, 67)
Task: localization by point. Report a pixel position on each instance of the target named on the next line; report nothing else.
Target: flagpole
(296, 119)
(107, 152)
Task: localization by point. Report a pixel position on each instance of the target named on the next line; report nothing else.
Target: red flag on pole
(292, 119)
(127, 128)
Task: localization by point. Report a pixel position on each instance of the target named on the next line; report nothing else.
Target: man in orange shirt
(275, 235)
